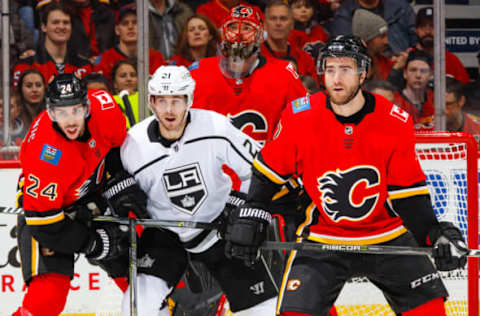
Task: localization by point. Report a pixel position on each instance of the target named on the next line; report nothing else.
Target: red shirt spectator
(55, 55)
(422, 114)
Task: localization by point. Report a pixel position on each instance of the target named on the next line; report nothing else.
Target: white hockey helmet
(172, 80)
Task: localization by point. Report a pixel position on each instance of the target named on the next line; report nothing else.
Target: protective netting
(446, 170)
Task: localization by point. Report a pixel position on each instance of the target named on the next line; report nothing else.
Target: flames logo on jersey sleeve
(351, 194)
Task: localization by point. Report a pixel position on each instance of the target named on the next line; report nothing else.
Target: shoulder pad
(301, 104)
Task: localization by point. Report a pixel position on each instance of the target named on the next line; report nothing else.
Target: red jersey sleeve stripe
(269, 173)
(406, 193)
(45, 220)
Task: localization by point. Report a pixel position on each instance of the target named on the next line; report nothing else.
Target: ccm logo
(293, 285)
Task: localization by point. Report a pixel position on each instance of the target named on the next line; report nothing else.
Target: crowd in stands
(97, 40)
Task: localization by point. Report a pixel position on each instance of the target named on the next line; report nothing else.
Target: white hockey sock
(151, 291)
(265, 308)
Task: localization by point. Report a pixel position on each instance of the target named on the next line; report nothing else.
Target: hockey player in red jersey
(355, 154)
(241, 83)
(69, 157)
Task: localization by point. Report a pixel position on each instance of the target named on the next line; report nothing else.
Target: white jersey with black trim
(185, 181)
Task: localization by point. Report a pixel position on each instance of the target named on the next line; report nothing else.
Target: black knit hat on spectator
(424, 16)
(128, 8)
(368, 25)
(419, 55)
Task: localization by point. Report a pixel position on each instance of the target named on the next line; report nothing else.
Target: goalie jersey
(185, 180)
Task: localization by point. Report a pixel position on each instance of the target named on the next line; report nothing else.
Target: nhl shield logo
(185, 187)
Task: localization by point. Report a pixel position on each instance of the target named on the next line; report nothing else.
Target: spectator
(54, 55)
(416, 98)
(457, 119)
(472, 91)
(17, 127)
(125, 78)
(21, 39)
(93, 27)
(398, 14)
(304, 13)
(126, 30)
(32, 88)
(95, 80)
(198, 39)
(424, 29)
(219, 10)
(372, 29)
(381, 87)
(278, 24)
(166, 19)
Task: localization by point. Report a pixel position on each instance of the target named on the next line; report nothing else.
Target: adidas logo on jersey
(257, 288)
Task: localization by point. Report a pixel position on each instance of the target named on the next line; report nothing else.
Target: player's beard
(350, 93)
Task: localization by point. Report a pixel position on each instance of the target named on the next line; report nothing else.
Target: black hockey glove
(109, 241)
(449, 247)
(85, 208)
(124, 195)
(245, 232)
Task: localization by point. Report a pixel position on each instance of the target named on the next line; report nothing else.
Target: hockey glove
(85, 208)
(109, 241)
(245, 231)
(124, 195)
(449, 247)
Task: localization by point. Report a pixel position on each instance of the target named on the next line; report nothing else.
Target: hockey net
(449, 161)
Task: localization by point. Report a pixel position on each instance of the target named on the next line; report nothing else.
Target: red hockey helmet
(242, 32)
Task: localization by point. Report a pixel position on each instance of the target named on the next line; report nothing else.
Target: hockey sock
(434, 307)
(47, 294)
(264, 308)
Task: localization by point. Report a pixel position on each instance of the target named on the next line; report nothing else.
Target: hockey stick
(367, 249)
(128, 107)
(125, 221)
(158, 223)
(132, 266)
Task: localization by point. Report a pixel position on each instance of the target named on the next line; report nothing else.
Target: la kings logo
(185, 187)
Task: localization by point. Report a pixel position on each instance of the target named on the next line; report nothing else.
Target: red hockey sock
(46, 294)
(122, 283)
(434, 307)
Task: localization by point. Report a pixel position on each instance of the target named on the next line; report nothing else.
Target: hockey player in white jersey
(176, 156)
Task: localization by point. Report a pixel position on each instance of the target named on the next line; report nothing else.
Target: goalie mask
(242, 35)
(345, 46)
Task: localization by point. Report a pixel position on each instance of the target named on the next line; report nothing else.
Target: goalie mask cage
(449, 161)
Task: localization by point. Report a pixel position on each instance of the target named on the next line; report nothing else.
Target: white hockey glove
(449, 249)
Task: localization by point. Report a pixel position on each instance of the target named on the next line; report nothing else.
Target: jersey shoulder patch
(301, 104)
(50, 154)
(399, 113)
